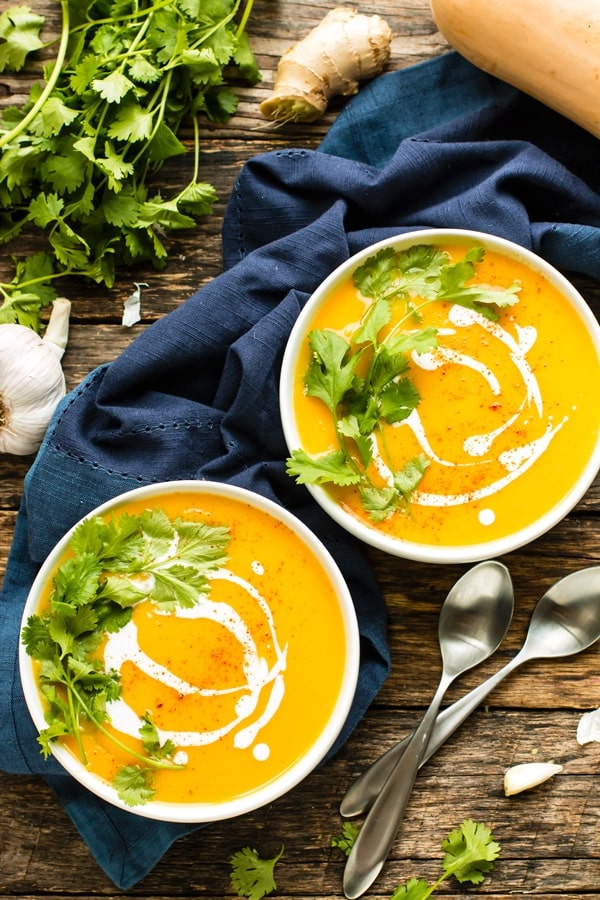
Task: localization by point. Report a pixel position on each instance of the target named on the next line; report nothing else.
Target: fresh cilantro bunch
(470, 852)
(77, 160)
(113, 564)
(364, 382)
(251, 875)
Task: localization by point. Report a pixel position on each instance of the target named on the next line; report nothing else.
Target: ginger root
(343, 49)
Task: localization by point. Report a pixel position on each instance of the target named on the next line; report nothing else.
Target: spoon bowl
(473, 621)
(565, 621)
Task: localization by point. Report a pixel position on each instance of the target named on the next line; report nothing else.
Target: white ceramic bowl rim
(208, 812)
(371, 535)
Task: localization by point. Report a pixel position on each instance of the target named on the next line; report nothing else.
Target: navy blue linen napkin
(195, 396)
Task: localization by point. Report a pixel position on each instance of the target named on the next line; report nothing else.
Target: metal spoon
(473, 621)
(565, 621)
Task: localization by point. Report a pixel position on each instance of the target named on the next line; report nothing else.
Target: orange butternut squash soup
(445, 395)
(214, 637)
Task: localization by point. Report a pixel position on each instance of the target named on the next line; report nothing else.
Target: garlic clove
(528, 775)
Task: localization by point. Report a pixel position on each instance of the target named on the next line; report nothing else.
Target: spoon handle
(363, 791)
(378, 832)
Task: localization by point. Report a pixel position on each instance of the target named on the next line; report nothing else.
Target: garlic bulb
(31, 380)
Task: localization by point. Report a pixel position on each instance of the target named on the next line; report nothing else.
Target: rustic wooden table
(550, 836)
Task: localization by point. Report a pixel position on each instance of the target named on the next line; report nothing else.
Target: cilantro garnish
(252, 876)
(470, 852)
(78, 157)
(113, 564)
(364, 382)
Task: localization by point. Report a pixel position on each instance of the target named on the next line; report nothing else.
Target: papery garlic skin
(528, 775)
(32, 381)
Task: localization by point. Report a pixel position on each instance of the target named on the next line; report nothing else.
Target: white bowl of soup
(189, 651)
(438, 396)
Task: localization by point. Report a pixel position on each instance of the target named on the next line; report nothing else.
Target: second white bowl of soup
(189, 651)
(438, 396)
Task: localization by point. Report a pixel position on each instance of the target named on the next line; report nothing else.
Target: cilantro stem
(245, 17)
(118, 19)
(30, 282)
(71, 692)
(148, 760)
(9, 136)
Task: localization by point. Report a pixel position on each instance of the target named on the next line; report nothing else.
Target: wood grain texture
(549, 836)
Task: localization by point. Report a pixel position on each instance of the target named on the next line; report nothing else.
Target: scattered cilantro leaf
(470, 852)
(251, 876)
(111, 565)
(345, 840)
(365, 381)
(77, 159)
(414, 889)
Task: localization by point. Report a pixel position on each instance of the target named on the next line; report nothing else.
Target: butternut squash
(550, 49)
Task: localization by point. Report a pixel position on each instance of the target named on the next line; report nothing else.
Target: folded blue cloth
(195, 396)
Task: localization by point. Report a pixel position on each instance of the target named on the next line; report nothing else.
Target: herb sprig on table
(364, 382)
(469, 854)
(251, 875)
(114, 564)
(77, 160)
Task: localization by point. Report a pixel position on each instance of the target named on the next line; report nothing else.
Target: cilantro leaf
(414, 889)
(373, 277)
(251, 876)
(481, 297)
(36, 638)
(470, 852)
(331, 372)
(134, 785)
(353, 427)
(121, 590)
(201, 543)
(332, 467)
(398, 399)
(345, 840)
(377, 317)
(19, 35)
(151, 740)
(132, 123)
(386, 366)
(407, 479)
(114, 87)
(401, 273)
(379, 502)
